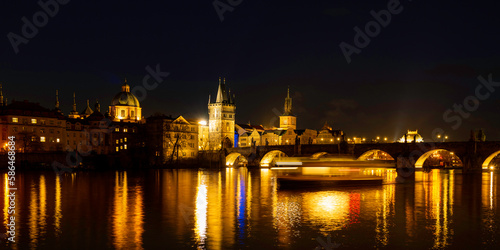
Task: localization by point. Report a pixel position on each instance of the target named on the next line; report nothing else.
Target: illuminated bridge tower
(221, 115)
(288, 120)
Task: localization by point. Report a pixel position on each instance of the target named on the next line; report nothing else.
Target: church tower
(288, 120)
(125, 106)
(221, 115)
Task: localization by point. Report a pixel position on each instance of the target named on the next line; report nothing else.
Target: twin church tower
(221, 113)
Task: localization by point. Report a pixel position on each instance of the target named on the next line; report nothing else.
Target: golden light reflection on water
(42, 220)
(384, 213)
(328, 210)
(128, 214)
(33, 216)
(214, 213)
(6, 203)
(438, 203)
(57, 209)
(201, 210)
(233, 208)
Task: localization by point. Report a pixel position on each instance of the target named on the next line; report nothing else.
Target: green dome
(125, 99)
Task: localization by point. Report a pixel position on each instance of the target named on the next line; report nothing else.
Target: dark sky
(424, 61)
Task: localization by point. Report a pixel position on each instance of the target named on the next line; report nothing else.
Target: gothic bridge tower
(221, 119)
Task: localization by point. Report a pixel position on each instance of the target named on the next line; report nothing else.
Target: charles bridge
(475, 155)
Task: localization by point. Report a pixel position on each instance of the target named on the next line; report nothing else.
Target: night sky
(424, 61)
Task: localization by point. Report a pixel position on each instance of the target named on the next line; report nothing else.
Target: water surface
(244, 209)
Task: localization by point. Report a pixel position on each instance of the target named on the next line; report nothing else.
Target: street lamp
(445, 137)
(385, 138)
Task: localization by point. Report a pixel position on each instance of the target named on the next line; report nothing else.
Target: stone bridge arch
(485, 163)
(419, 162)
(270, 157)
(235, 158)
(366, 154)
(319, 155)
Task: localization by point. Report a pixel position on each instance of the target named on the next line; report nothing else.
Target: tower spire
(288, 103)
(1, 96)
(74, 102)
(221, 92)
(57, 99)
(97, 106)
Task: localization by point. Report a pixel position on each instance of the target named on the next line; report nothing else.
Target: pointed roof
(87, 110)
(288, 104)
(223, 96)
(57, 99)
(1, 95)
(181, 119)
(73, 111)
(326, 126)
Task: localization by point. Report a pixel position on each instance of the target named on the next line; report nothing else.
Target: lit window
(121, 147)
(121, 140)
(123, 113)
(42, 138)
(15, 119)
(132, 113)
(125, 139)
(125, 146)
(125, 130)
(117, 149)
(117, 129)
(116, 141)
(58, 140)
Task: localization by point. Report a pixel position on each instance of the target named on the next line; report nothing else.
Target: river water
(244, 209)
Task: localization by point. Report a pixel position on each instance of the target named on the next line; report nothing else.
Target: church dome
(125, 98)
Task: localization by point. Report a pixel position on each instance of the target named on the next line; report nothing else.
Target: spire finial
(97, 106)
(88, 103)
(1, 95)
(125, 80)
(224, 80)
(57, 99)
(74, 102)
(288, 103)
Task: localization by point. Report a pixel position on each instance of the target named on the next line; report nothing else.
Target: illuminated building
(410, 136)
(172, 139)
(288, 120)
(248, 139)
(327, 135)
(221, 115)
(289, 137)
(125, 106)
(272, 137)
(203, 135)
(36, 128)
(307, 136)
